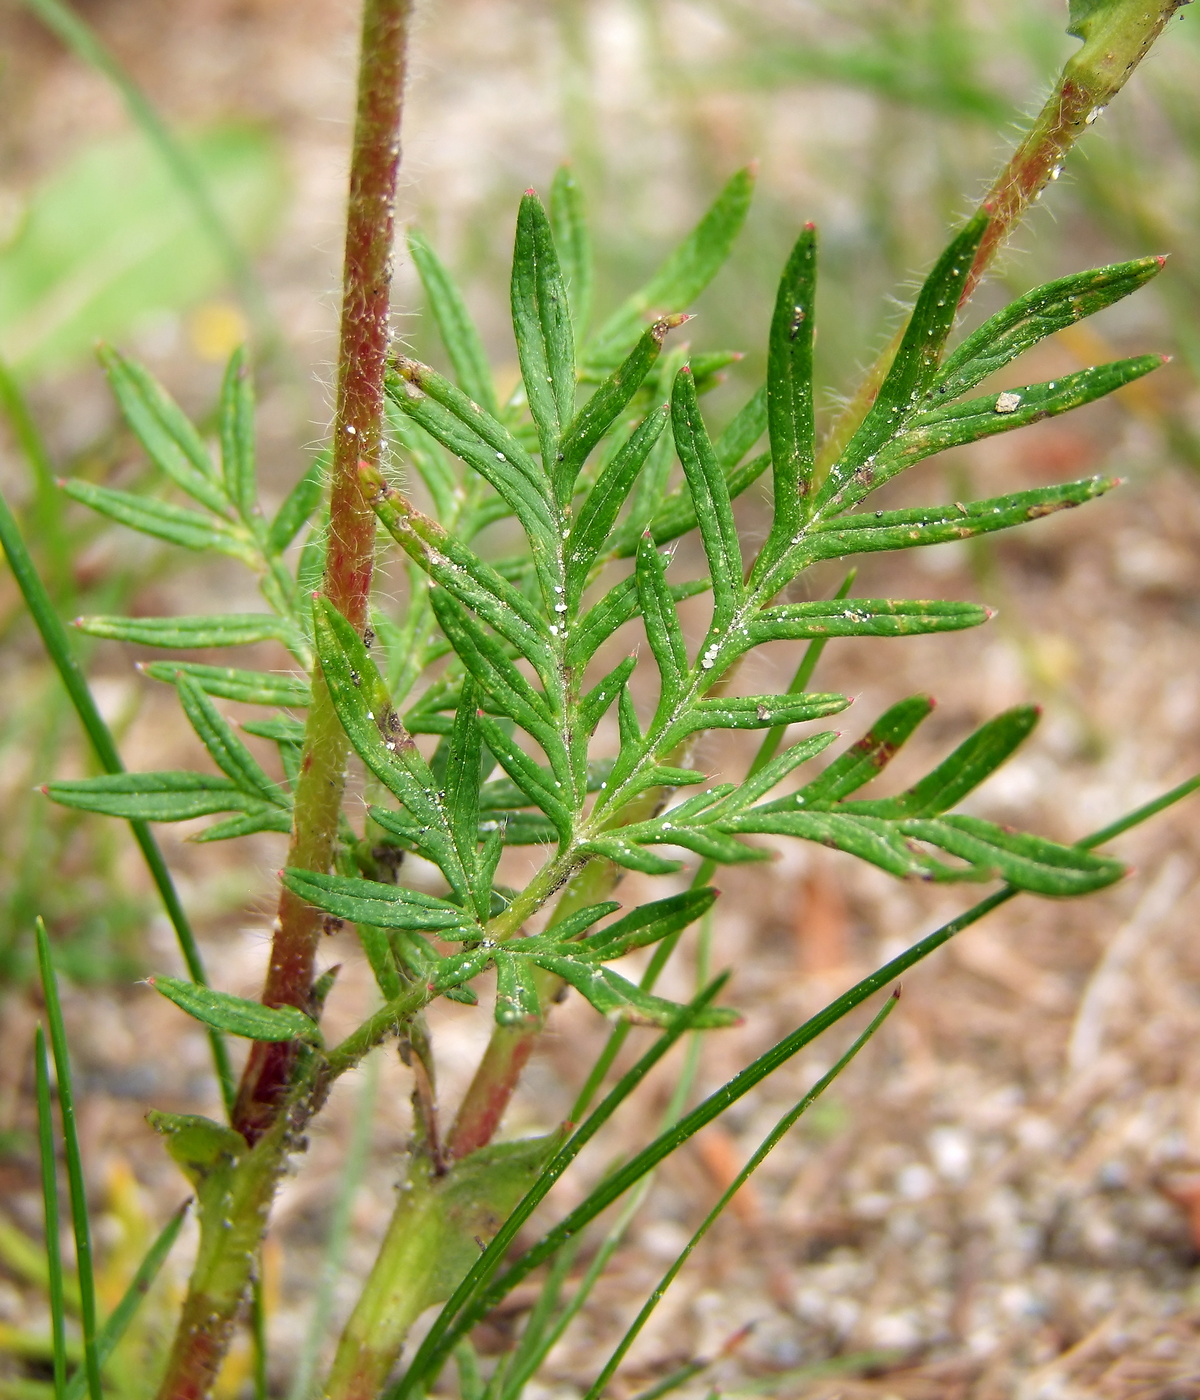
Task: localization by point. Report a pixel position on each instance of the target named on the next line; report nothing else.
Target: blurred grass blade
(75, 1182)
(190, 529)
(58, 646)
(106, 242)
(122, 1315)
(58, 1310)
(188, 173)
(769, 1143)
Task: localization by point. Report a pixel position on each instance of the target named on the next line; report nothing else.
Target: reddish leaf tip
(809, 226)
(752, 168)
(1161, 259)
(60, 482)
(531, 192)
(1165, 359)
(896, 992)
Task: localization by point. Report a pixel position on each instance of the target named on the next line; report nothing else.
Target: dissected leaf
(790, 390)
(191, 529)
(154, 797)
(236, 1015)
(684, 274)
(573, 239)
(862, 617)
(904, 529)
(384, 906)
(542, 325)
(228, 683)
(454, 324)
(237, 436)
(710, 497)
(1034, 316)
(217, 630)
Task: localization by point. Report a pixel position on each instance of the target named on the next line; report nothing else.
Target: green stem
(1116, 39)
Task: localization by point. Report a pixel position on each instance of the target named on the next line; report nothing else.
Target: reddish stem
(357, 432)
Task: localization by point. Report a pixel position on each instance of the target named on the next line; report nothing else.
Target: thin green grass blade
(82, 40)
(768, 1144)
(58, 1307)
(75, 1182)
(122, 1315)
(58, 646)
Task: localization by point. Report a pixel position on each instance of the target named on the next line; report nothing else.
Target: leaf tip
(896, 992)
(809, 226)
(1161, 259)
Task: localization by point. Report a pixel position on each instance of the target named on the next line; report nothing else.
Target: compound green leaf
(961, 773)
(475, 584)
(907, 529)
(790, 391)
(1037, 314)
(601, 411)
(616, 607)
(600, 509)
(917, 359)
(228, 752)
(863, 617)
(383, 906)
(164, 430)
(710, 497)
(645, 925)
(753, 712)
(661, 622)
(952, 425)
(154, 797)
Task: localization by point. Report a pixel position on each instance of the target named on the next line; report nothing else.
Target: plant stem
(267, 1097)
(1117, 38)
(357, 434)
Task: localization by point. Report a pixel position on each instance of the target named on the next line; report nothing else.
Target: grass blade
(58, 646)
(80, 38)
(122, 1315)
(58, 1315)
(75, 1182)
(768, 1144)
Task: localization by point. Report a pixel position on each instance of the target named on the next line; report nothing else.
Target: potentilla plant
(479, 712)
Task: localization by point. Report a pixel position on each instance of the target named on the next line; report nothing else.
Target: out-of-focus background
(1002, 1197)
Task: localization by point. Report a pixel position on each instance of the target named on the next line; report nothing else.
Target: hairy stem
(1116, 42)
(222, 1275)
(356, 438)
